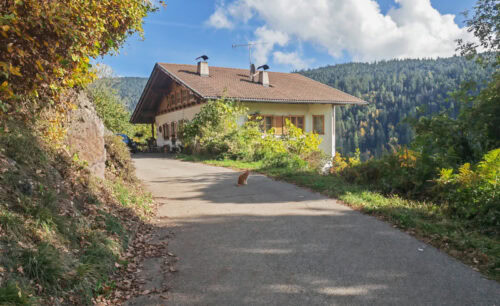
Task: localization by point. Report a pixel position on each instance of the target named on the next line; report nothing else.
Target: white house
(176, 92)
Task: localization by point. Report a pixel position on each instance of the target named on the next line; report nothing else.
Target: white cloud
(219, 19)
(413, 29)
(292, 58)
(270, 39)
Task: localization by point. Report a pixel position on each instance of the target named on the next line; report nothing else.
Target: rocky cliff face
(86, 133)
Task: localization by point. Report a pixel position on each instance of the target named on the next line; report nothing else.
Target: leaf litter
(128, 282)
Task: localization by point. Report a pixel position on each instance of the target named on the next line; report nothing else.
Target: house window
(184, 96)
(165, 131)
(173, 131)
(319, 124)
(267, 123)
(178, 96)
(298, 121)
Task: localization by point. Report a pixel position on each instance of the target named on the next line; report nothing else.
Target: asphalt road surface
(272, 243)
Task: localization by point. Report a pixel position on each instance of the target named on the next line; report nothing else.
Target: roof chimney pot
(264, 78)
(203, 69)
(252, 72)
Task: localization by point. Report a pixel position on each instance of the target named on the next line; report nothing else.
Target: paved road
(276, 244)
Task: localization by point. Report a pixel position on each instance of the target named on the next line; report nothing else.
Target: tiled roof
(234, 83)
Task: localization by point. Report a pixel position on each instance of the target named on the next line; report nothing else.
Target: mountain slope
(397, 89)
(129, 89)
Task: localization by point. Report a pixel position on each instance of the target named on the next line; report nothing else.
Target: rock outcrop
(85, 134)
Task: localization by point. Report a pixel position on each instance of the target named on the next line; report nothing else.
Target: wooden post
(153, 130)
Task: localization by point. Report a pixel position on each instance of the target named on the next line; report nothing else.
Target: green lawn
(476, 247)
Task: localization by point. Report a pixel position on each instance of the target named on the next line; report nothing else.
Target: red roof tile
(234, 83)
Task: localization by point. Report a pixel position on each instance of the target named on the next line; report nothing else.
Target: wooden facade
(176, 97)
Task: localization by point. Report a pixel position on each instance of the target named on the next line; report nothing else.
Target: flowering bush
(216, 131)
(474, 193)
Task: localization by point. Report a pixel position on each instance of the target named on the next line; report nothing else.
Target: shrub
(216, 131)
(474, 193)
(213, 128)
(403, 172)
(118, 159)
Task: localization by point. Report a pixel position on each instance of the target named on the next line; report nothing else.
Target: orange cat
(242, 180)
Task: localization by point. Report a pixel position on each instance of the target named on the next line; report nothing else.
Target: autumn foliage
(46, 46)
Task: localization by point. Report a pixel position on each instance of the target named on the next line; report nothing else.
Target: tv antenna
(250, 45)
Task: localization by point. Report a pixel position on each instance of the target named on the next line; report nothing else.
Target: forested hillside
(397, 89)
(129, 89)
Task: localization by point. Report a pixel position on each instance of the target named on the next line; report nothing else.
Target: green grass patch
(114, 226)
(43, 265)
(130, 197)
(11, 293)
(468, 242)
(12, 223)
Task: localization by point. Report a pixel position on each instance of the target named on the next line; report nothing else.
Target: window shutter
(278, 124)
(164, 132)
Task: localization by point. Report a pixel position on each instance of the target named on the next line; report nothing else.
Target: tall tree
(45, 46)
(449, 141)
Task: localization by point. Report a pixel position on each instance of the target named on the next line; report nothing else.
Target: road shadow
(316, 258)
(221, 188)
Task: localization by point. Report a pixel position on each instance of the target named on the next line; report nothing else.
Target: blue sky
(298, 34)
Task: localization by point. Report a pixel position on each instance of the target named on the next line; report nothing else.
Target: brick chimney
(264, 78)
(203, 69)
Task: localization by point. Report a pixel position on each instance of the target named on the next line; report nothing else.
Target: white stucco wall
(306, 110)
(182, 114)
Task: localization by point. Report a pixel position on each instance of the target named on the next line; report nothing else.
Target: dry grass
(62, 230)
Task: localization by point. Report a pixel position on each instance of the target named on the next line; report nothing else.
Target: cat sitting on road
(242, 179)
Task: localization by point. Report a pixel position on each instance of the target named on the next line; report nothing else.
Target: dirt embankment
(67, 216)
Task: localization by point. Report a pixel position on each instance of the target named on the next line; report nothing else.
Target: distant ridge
(129, 89)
